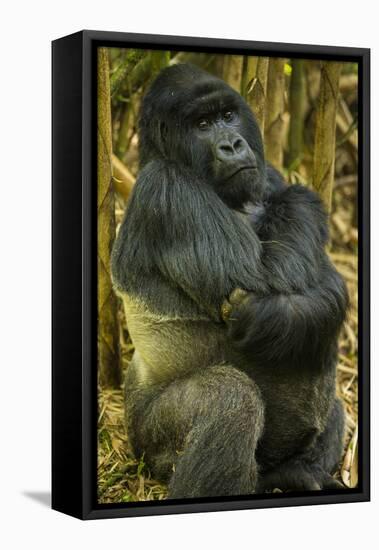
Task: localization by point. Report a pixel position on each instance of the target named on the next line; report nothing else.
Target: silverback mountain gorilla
(231, 302)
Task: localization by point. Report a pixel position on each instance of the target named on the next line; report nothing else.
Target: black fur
(223, 408)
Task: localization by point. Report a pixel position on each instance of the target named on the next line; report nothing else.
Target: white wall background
(27, 29)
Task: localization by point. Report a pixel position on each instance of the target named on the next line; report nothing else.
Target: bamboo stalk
(232, 71)
(256, 77)
(274, 124)
(297, 110)
(108, 340)
(132, 58)
(123, 179)
(121, 144)
(325, 138)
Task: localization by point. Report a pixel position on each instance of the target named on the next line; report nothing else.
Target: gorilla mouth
(241, 169)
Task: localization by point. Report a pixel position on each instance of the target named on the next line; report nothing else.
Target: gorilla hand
(235, 299)
(269, 328)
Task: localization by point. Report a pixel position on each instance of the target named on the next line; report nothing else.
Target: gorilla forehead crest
(170, 100)
(184, 84)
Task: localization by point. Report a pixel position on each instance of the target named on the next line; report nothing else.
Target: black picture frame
(74, 315)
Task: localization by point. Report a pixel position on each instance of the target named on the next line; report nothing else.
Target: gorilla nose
(233, 149)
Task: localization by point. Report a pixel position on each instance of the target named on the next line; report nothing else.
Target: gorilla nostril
(224, 151)
(226, 148)
(239, 146)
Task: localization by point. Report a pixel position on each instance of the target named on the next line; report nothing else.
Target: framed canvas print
(210, 275)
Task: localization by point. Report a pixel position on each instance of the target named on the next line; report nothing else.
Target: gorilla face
(230, 163)
(195, 119)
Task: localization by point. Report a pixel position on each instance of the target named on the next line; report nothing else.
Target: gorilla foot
(298, 476)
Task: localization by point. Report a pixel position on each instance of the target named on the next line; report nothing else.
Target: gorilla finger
(309, 483)
(226, 309)
(238, 296)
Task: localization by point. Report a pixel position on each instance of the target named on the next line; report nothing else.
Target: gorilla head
(195, 119)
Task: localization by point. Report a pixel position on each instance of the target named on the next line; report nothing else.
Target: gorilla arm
(178, 229)
(306, 307)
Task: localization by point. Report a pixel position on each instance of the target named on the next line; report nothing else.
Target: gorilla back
(231, 302)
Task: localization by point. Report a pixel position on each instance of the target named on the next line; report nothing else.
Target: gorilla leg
(199, 432)
(327, 450)
(313, 469)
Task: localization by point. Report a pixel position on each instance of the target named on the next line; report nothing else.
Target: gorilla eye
(228, 116)
(203, 124)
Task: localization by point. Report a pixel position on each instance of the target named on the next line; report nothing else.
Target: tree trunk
(254, 83)
(274, 123)
(325, 138)
(108, 331)
(297, 110)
